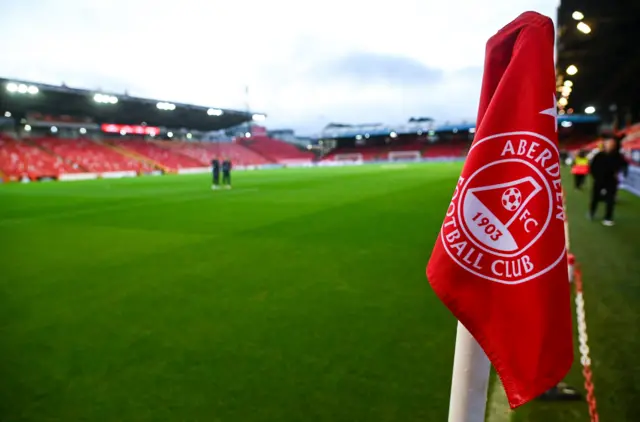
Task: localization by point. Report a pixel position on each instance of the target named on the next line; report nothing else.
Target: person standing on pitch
(226, 173)
(605, 168)
(215, 168)
(580, 169)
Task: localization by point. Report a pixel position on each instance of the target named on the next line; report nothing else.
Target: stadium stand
(204, 152)
(51, 147)
(164, 158)
(446, 150)
(19, 159)
(363, 153)
(372, 153)
(275, 150)
(91, 156)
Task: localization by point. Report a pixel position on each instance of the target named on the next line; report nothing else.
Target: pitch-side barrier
(632, 182)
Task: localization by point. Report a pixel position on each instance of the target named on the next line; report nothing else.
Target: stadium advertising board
(632, 181)
(72, 177)
(130, 129)
(195, 170)
(635, 156)
(118, 174)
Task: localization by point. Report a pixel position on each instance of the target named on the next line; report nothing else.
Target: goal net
(404, 156)
(354, 157)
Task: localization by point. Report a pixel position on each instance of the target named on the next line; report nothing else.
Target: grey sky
(306, 63)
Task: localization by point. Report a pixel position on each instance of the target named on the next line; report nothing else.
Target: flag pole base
(470, 381)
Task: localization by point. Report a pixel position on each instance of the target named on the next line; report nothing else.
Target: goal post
(354, 157)
(404, 156)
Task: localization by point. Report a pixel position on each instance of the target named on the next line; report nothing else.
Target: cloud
(367, 68)
(305, 63)
(365, 87)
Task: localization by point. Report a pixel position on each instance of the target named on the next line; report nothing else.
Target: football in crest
(511, 199)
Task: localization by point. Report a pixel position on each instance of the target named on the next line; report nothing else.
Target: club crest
(506, 207)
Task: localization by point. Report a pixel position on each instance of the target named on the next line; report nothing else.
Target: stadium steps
(177, 152)
(274, 150)
(261, 154)
(48, 151)
(267, 157)
(128, 153)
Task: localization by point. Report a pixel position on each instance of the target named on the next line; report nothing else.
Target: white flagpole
(470, 381)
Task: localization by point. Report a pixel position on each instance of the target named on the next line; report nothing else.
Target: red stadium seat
(276, 150)
(452, 149)
(20, 159)
(204, 152)
(164, 157)
(92, 156)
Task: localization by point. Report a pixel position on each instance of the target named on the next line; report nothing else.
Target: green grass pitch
(299, 295)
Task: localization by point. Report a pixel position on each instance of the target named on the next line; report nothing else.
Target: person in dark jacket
(215, 169)
(226, 173)
(605, 169)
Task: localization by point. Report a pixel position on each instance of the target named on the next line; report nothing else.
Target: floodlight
(165, 106)
(584, 28)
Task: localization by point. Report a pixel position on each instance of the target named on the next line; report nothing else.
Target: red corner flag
(500, 263)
